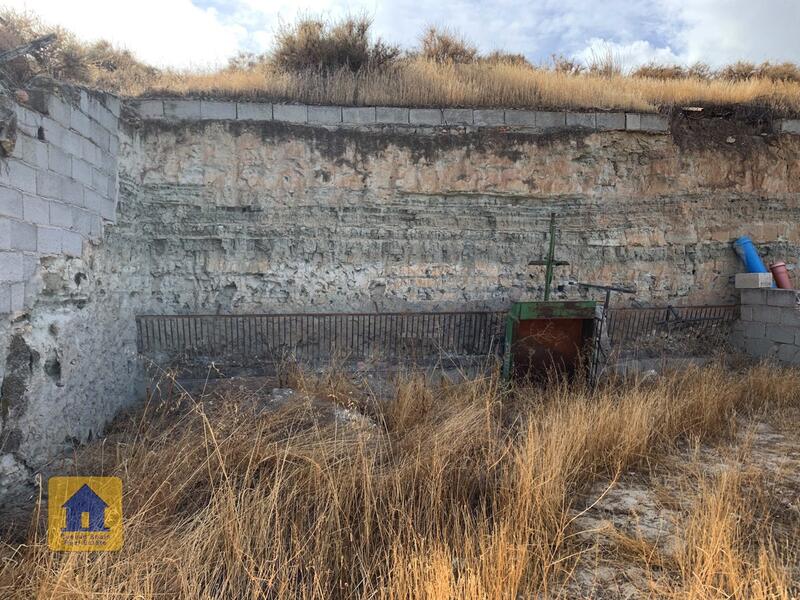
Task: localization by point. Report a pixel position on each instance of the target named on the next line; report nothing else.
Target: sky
(205, 33)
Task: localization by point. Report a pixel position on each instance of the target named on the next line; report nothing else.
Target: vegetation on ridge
(319, 62)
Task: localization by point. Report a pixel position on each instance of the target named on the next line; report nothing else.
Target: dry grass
(339, 63)
(441, 491)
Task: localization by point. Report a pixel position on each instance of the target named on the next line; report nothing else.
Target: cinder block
(112, 104)
(49, 184)
(550, 120)
(11, 266)
(217, 110)
(26, 116)
(790, 317)
(100, 136)
(5, 233)
(328, 115)
(102, 115)
(23, 236)
(788, 353)
(18, 175)
(150, 109)
(488, 117)
(100, 181)
(82, 171)
(753, 296)
(71, 243)
(72, 143)
(780, 297)
(30, 263)
(633, 121)
(58, 161)
(790, 126)
(610, 120)
(58, 110)
(5, 298)
(290, 113)
(80, 123)
(32, 151)
(780, 333)
(767, 314)
(113, 145)
(10, 202)
(86, 223)
(753, 280)
(60, 215)
(93, 201)
(73, 192)
(359, 115)
(392, 114)
(36, 210)
(17, 296)
(457, 116)
(425, 116)
(762, 348)
(49, 240)
(582, 120)
(90, 152)
(654, 123)
(254, 111)
(182, 109)
(521, 118)
(746, 313)
(754, 329)
(108, 210)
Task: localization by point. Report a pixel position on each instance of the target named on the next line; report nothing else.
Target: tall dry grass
(440, 491)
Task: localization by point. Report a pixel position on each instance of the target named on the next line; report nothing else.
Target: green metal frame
(525, 311)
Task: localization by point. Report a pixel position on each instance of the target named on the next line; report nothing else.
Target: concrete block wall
(769, 327)
(58, 186)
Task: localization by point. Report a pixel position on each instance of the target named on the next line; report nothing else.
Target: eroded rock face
(242, 216)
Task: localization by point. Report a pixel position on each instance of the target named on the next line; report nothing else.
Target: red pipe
(781, 275)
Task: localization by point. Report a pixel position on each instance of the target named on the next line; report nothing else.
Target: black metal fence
(626, 325)
(321, 337)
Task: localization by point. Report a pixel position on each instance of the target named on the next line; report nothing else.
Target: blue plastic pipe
(747, 252)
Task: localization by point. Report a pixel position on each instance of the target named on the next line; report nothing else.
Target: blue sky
(205, 33)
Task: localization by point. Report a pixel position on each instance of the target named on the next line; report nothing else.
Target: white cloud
(628, 56)
(160, 32)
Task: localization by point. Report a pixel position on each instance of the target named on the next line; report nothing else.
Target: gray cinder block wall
(769, 327)
(67, 345)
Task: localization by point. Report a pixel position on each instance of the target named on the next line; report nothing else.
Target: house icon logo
(85, 503)
(84, 513)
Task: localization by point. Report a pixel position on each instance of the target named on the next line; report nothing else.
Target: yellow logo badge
(84, 513)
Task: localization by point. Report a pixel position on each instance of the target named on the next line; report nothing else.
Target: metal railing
(320, 337)
(629, 324)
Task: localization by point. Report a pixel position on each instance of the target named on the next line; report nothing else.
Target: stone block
(85, 222)
(746, 313)
(113, 145)
(23, 236)
(610, 120)
(82, 171)
(290, 113)
(26, 116)
(649, 122)
(108, 210)
(150, 109)
(112, 104)
(49, 184)
(788, 353)
(790, 126)
(58, 110)
(754, 297)
(790, 317)
(489, 117)
(392, 114)
(5, 233)
(72, 143)
(767, 314)
(18, 175)
(754, 329)
(550, 120)
(457, 116)
(17, 296)
(753, 280)
(779, 297)
(359, 115)
(254, 111)
(5, 298)
(762, 348)
(58, 161)
(217, 110)
(100, 181)
(60, 215)
(90, 152)
(30, 263)
(521, 118)
(425, 116)
(10, 202)
(80, 122)
(102, 115)
(71, 243)
(100, 136)
(93, 201)
(181, 109)
(49, 240)
(73, 192)
(32, 151)
(11, 266)
(633, 121)
(36, 210)
(327, 115)
(582, 120)
(780, 333)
